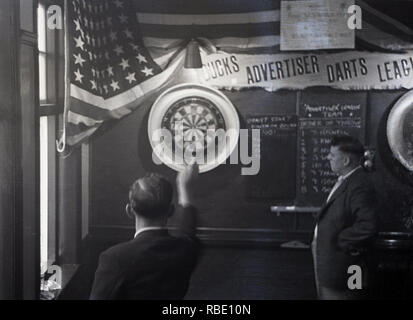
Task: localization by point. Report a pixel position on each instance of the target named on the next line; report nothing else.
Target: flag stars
(124, 64)
(79, 43)
(77, 23)
(135, 47)
(113, 36)
(109, 21)
(115, 85)
(128, 33)
(105, 87)
(94, 86)
(78, 75)
(131, 77)
(118, 50)
(79, 59)
(147, 71)
(141, 58)
(123, 18)
(109, 69)
(118, 4)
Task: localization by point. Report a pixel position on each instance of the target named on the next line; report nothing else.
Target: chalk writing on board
(277, 177)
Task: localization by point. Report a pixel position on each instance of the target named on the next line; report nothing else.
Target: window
(49, 110)
(59, 225)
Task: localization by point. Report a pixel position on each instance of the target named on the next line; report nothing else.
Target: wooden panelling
(8, 154)
(30, 174)
(19, 142)
(27, 15)
(69, 207)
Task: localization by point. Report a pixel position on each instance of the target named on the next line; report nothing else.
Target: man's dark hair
(151, 196)
(350, 145)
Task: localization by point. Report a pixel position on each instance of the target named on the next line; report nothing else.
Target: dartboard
(197, 119)
(193, 122)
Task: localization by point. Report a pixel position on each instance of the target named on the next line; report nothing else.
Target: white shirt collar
(147, 229)
(349, 173)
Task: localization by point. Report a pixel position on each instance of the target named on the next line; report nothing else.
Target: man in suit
(153, 265)
(345, 224)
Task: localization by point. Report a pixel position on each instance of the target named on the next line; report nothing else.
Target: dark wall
(122, 153)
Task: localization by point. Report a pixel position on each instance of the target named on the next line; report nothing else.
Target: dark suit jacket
(154, 265)
(346, 223)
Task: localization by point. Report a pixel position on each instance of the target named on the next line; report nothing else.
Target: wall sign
(321, 24)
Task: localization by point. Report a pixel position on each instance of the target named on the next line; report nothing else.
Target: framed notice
(316, 24)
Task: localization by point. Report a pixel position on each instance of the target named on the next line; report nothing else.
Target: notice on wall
(316, 24)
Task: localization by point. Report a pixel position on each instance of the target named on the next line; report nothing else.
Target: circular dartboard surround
(193, 114)
(400, 130)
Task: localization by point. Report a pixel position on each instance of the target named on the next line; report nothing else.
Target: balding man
(154, 264)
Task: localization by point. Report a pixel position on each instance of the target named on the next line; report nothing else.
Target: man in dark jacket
(345, 223)
(153, 265)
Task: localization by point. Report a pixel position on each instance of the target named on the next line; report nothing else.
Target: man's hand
(185, 183)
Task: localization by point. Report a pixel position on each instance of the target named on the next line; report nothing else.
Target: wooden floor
(257, 274)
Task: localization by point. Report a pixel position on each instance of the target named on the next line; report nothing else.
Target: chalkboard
(278, 145)
(317, 124)
(294, 148)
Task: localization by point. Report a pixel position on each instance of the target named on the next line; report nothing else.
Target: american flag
(109, 68)
(122, 50)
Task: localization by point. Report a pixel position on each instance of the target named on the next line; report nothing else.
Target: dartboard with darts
(191, 121)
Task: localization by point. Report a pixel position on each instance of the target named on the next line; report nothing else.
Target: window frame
(52, 109)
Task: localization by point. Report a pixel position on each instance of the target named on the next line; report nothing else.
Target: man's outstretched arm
(187, 213)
